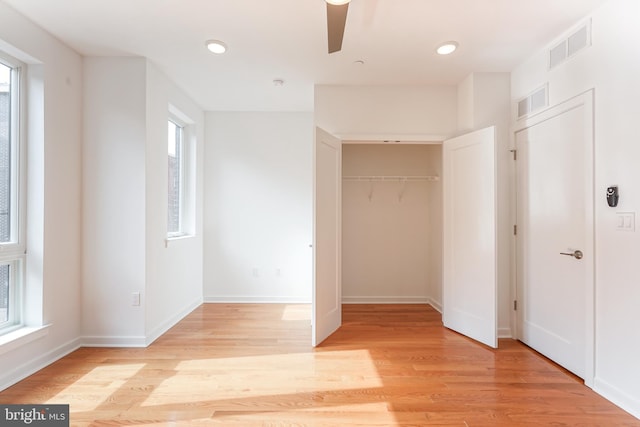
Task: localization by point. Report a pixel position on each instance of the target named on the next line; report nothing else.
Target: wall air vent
(579, 40)
(523, 107)
(535, 101)
(558, 54)
(568, 47)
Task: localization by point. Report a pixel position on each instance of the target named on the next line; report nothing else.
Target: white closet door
(469, 246)
(327, 237)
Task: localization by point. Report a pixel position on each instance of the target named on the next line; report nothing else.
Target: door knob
(575, 254)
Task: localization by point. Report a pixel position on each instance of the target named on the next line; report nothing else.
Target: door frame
(397, 139)
(583, 99)
(319, 334)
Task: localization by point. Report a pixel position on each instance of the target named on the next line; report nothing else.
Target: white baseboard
(617, 397)
(171, 322)
(140, 341)
(504, 333)
(436, 305)
(7, 379)
(230, 299)
(114, 341)
(385, 300)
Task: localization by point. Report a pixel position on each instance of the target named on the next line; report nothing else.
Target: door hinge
(515, 154)
(515, 305)
(515, 230)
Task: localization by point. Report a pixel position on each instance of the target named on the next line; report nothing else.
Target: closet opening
(392, 223)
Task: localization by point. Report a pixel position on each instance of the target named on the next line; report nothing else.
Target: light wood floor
(246, 365)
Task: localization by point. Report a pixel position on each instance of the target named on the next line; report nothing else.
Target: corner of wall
(465, 105)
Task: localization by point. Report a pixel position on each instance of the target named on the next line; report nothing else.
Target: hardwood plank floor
(252, 365)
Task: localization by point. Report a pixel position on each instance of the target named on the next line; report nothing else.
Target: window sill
(176, 238)
(21, 336)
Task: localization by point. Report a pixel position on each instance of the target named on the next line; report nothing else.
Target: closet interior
(392, 223)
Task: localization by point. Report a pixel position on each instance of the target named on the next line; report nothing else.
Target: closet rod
(370, 178)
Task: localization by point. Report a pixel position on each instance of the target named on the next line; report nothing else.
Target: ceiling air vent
(535, 101)
(570, 46)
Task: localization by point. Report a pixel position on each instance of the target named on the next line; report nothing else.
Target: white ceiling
(286, 39)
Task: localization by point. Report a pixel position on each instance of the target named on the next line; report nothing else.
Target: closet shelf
(372, 178)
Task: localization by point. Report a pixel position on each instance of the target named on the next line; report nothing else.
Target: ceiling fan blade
(336, 20)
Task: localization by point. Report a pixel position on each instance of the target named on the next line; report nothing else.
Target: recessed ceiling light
(216, 46)
(447, 48)
(278, 82)
(338, 2)
(359, 62)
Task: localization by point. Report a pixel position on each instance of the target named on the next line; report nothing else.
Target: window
(176, 190)
(11, 214)
(181, 155)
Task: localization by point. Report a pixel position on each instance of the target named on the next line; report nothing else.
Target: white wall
(173, 271)
(125, 206)
(484, 99)
(387, 112)
(258, 182)
(114, 198)
(611, 66)
(389, 238)
(54, 192)
(258, 195)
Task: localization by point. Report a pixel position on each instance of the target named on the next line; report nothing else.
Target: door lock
(576, 254)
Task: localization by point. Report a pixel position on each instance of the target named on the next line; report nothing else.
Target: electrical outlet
(135, 299)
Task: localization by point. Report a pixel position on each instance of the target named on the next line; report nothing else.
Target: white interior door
(555, 234)
(327, 239)
(469, 245)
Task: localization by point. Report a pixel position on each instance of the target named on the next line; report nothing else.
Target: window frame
(187, 176)
(13, 252)
(16, 277)
(180, 130)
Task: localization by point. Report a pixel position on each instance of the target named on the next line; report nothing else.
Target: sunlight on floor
(230, 383)
(297, 312)
(108, 380)
(340, 415)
